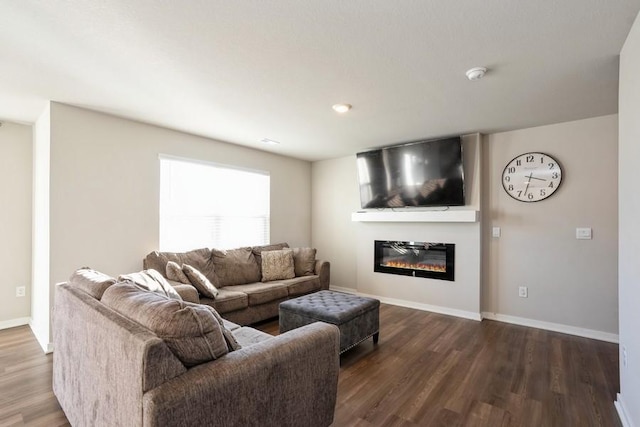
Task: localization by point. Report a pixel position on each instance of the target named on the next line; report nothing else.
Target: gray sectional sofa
(132, 352)
(243, 297)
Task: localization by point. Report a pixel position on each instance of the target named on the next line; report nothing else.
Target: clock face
(532, 177)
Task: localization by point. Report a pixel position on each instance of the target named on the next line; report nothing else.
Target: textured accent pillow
(91, 281)
(304, 261)
(191, 331)
(175, 273)
(257, 252)
(277, 265)
(235, 266)
(153, 281)
(200, 282)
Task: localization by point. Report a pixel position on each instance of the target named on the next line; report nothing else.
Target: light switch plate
(495, 232)
(583, 233)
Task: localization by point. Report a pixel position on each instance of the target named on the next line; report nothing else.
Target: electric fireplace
(418, 259)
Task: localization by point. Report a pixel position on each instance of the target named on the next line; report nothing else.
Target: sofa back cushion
(235, 266)
(152, 281)
(91, 281)
(191, 331)
(198, 258)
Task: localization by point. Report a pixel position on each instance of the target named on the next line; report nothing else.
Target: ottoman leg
(375, 337)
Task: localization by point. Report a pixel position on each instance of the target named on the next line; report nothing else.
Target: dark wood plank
(426, 370)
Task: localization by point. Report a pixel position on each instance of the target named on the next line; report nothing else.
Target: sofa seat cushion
(191, 331)
(228, 299)
(235, 266)
(260, 293)
(302, 285)
(248, 336)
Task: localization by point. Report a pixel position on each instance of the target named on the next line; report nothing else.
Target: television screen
(426, 173)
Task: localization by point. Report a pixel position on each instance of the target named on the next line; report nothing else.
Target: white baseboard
(415, 305)
(622, 412)
(12, 323)
(47, 347)
(556, 327)
(522, 321)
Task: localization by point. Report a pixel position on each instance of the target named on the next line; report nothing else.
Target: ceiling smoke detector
(476, 73)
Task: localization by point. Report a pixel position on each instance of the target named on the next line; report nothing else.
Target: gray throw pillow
(175, 273)
(277, 265)
(153, 281)
(200, 282)
(304, 260)
(191, 331)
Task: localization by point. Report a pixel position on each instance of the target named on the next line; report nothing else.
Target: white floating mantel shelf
(416, 216)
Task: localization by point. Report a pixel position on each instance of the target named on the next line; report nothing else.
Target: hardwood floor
(427, 370)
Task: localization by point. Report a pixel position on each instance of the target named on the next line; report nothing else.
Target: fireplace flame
(438, 268)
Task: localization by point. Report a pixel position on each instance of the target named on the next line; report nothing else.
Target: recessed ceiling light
(341, 108)
(476, 73)
(269, 141)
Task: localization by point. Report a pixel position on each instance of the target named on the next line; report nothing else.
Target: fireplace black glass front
(418, 259)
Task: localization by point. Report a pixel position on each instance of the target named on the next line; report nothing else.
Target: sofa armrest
(289, 380)
(323, 269)
(187, 292)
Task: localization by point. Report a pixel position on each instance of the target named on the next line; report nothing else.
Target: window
(209, 205)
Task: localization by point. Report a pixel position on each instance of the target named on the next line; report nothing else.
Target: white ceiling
(243, 70)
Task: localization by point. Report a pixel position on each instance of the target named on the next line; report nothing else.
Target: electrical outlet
(522, 292)
(624, 356)
(21, 291)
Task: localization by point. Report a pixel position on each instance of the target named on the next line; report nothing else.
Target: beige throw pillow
(191, 331)
(175, 273)
(304, 260)
(153, 281)
(277, 265)
(200, 282)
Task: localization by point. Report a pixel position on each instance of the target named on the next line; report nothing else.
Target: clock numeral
(530, 196)
(518, 162)
(551, 185)
(511, 169)
(507, 178)
(542, 192)
(552, 165)
(542, 159)
(529, 159)
(554, 175)
(510, 187)
(519, 193)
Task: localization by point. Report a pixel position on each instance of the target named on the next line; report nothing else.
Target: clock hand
(528, 182)
(533, 177)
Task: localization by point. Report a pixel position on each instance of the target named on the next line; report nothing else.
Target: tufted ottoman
(356, 317)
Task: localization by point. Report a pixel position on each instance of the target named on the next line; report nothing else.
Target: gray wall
(15, 222)
(629, 265)
(571, 282)
(104, 189)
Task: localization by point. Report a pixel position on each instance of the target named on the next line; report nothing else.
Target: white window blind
(212, 206)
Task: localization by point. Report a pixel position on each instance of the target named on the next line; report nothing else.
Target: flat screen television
(425, 173)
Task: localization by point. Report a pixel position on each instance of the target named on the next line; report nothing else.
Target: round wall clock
(532, 177)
